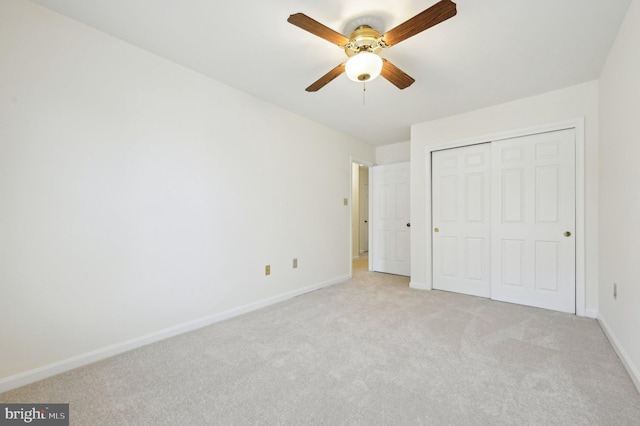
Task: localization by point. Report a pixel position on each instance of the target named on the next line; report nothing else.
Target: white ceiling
(493, 51)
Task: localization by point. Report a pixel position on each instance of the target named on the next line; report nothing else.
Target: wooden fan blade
(314, 27)
(326, 79)
(437, 13)
(395, 75)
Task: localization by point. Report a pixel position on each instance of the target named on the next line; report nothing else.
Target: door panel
(475, 249)
(533, 206)
(461, 244)
(511, 191)
(449, 256)
(474, 188)
(547, 265)
(511, 259)
(390, 216)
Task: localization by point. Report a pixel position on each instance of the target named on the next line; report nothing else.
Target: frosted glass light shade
(363, 67)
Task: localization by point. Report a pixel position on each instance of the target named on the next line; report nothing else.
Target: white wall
(552, 107)
(136, 195)
(620, 192)
(394, 153)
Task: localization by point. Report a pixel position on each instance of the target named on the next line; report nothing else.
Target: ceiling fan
(364, 45)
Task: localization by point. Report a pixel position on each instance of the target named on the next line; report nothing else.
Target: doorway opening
(360, 196)
(359, 211)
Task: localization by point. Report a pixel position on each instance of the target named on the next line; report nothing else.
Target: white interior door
(364, 210)
(533, 220)
(461, 219)
(390, 242)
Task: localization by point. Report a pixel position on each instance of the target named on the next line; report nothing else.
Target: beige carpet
(367, 352)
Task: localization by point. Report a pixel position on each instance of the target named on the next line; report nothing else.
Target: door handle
(567, 234)
(408, 225)
(436, 229)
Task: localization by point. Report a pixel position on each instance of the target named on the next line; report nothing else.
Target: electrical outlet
(615, 291)
(267, 270)
(295, 263)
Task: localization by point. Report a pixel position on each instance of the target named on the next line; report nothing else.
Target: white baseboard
(626, 361)
(419, 286)
(40, 373)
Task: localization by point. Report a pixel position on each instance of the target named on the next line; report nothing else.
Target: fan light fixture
(364, 66)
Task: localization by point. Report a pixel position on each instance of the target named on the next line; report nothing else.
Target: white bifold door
(504, 220)
(390, 237)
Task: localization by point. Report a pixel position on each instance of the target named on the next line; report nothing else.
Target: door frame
(578, 125)
(369, 164)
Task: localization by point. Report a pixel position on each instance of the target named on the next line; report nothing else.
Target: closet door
(533, 220)
(461, 219)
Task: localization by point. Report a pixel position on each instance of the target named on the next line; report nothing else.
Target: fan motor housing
(363, 39)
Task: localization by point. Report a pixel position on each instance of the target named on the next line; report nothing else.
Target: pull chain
(364, 92)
